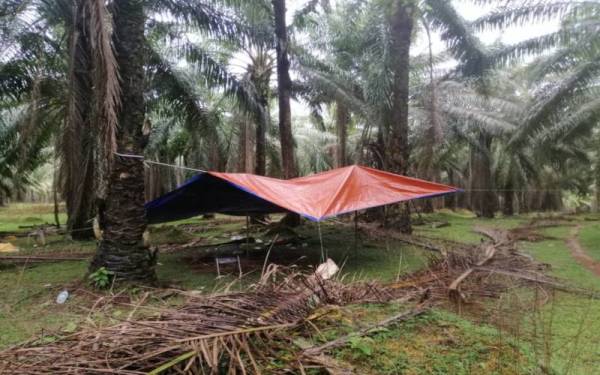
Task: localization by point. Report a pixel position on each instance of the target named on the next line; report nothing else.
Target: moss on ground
(437, 342)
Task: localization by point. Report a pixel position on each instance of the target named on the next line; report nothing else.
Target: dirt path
(579, 253)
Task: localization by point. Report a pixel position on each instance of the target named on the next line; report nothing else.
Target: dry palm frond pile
(234, 332)
(206, 333)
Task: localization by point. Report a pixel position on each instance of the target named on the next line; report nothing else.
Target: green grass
(27, 297)
(54, 244)
(554, 252)
(26, 214)
(461, 225)
(176, 270)
(571, 323)
(375, 259)
(589, 237)
(437, 342)
(27, 294)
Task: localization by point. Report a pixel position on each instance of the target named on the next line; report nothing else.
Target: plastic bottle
(62, 297)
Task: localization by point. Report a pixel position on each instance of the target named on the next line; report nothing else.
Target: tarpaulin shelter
(316, 197)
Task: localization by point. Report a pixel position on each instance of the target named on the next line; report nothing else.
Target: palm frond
(573, 124)
(178, 90)
(215, 74)
(206, 17)
(523, 12)
(459, 36)
(549, 104)
(106, 78)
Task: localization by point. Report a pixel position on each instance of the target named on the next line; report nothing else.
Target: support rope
(323, 253)
(141, 157)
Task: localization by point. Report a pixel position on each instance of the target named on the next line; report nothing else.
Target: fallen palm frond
(206, 332)
(237, 331)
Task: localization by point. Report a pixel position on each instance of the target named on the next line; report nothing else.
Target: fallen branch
(341, 341)
(239, 331)
(542, 281)
(382, 233)
(331, 365)
(496, 235)
(453, 291)
(30, 259)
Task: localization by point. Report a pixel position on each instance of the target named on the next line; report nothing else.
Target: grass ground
(439, 342)
(462, 224)
(435, 343)
(569, 326)
(20, 215)
(590, 238)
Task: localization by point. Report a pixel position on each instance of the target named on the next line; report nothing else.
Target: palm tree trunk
(342, 121)
(260, 157)
(123, 218)
(451, 200)
(527, 202)
(249, 146)
(260, 154)
(55, 191)
(261, 77)
(401, 31)
(508, 207)
(260, 167)
(245, 146)
(242, 143)
(433, 133)
(215, 160)
(483, 198)
(284, 88)
(428, 161)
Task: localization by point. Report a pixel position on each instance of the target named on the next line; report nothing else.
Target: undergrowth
(558, 337)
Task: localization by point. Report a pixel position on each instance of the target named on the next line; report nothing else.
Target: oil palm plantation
(122, 215)
(371, 66)
(107, 44)
(153, 79)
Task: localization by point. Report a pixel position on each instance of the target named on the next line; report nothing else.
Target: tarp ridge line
(338, 191)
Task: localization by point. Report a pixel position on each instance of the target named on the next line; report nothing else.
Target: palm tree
(284, 90)
(567, 107)
(123, 218)
(259, 72)
(373, 40)
(31, 95)
(93, 64)
(401, 29)
(122, 215)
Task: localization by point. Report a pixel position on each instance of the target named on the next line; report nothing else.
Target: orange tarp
(338, 191)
